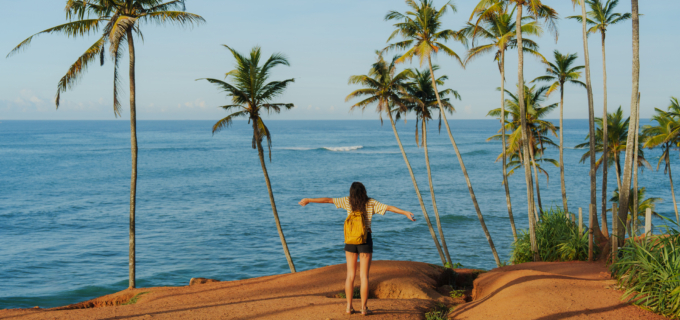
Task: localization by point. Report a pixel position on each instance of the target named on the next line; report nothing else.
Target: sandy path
(543, 291)
(405, 289)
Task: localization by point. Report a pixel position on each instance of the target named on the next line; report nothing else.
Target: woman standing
(358, 201)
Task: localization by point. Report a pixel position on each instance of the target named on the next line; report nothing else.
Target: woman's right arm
(305, 201)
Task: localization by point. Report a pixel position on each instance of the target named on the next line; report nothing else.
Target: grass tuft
(357, 294)
(134, 299)
(457, 293)
(649, 270)
(439, 312)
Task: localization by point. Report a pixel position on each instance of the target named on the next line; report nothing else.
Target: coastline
(398, 290)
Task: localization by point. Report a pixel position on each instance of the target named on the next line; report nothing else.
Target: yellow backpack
(355, 229)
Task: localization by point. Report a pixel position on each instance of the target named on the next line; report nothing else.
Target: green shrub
(457, 293)
(649, 269)
(557, 237)
(439, 312)
(357, 294)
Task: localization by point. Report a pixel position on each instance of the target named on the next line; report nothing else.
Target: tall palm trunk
(462, 166)
(133, 143)
(617, 163)
(525, 135)
(260, 153)
(597, 233)
(635, 173)
(415, 185)
(538, 190)
(605, 143)
(564, 188)
(624, 193)
(434, 202)
(670, 178)
(521, 160)
(505, 173)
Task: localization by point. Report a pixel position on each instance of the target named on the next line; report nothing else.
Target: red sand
(543, 290)
(405, 290)
(401, 290)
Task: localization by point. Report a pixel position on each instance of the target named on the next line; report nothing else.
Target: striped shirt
(372, 207)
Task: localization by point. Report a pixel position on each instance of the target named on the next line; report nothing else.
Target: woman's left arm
(409, 215)
(305, 201)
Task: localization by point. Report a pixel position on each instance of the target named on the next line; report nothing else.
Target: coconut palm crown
(421, 29)
(251, 94)
(601, 16)
(116, 20)
(422, 100)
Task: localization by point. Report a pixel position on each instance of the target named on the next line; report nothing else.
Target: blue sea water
(203, 208)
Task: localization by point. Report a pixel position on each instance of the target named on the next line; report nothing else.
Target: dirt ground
(549, 291)
(399, 290)
(404, 290)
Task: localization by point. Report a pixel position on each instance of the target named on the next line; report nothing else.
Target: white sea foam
(341, 149)
(297, 148)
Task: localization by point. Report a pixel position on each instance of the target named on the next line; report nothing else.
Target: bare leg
(351, 272)
(364, 266)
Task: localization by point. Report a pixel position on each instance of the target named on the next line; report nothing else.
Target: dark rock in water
(195, 281)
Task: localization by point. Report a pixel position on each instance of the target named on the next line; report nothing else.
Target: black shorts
(361, 248)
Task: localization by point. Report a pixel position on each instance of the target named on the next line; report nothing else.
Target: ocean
(203, 208)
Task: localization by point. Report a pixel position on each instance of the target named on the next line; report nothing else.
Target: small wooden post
(580, 221)
(573, 218)
(591, 222)
(648, 222)
(615, 234)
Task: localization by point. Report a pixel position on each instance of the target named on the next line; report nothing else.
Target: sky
(326, 42)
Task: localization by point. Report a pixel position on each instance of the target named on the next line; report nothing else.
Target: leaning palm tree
(634, 105)
(384, 86)
(664, 135)
(498, 29)
(251, 95)
(559, 73)
(616, 144)
(538, 10)
(118, 21)
(538, 128)
(422, 100)
(599, 19)
(423, 36)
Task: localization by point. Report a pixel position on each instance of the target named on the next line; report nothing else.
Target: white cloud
(467, 110)
(198, 103)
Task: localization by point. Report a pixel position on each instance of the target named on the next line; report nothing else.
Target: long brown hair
(358, 198)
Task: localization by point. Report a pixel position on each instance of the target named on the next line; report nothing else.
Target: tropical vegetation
(424, 36)
(119, 22)
(384, 87)
(251, 96)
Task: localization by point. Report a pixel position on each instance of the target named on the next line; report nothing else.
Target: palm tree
(538, 128)
(634, 105)
(251, 95)
(499, 30)
(118, 21)
(665, 135)
(384, 86)
(616, 143)
(642, 207)
(600, 18)
(422, 101)
(596, 232)
(421, 30)
(537, 9)
(559, 73)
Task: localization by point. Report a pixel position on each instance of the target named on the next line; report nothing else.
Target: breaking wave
(334, 149)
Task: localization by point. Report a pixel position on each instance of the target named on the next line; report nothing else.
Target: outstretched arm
(305, 201)
(409, 215)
